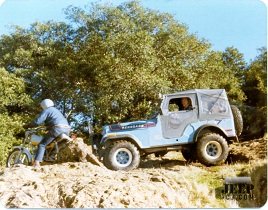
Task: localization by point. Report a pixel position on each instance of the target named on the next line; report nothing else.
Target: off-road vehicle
(202, 132)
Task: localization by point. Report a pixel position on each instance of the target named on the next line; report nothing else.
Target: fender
(210, 127)
(26, 151)
(115, 136)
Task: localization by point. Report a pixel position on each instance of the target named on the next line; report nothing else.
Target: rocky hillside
(85, 183)
(248, 150)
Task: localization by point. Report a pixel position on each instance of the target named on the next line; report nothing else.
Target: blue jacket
(51, 117)
(54, 120)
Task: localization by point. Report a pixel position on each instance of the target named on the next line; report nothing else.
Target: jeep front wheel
(212, 149)
(121, 155)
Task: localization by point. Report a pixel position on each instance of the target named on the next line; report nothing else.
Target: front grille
(117, 127)
(133, 126)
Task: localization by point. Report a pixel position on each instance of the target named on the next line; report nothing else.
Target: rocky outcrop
(84, 185)
(77, 151)
(79, 180)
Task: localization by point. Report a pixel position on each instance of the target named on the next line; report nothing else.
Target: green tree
(234, 60)
(13, 101)
(130, 54)
(110, 63)
(43, 56)
(255, 88)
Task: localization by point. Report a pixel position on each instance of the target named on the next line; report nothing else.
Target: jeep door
(175, 117)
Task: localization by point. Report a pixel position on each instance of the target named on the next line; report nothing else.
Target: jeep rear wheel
(121, 155)
(212, 149)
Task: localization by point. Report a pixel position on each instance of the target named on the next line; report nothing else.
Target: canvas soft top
(221, 92)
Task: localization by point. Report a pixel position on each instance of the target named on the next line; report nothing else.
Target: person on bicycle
(56, 124)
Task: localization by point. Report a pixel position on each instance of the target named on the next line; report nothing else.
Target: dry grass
(206, 183)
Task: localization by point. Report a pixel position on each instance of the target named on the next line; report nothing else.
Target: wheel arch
(209, 129)
(126, 138)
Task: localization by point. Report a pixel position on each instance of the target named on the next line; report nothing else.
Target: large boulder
(77, 151)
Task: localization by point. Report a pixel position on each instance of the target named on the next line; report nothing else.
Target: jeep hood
(129, 126)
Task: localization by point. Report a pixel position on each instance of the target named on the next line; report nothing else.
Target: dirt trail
(81, 185)
(248, 150)
(85, 183)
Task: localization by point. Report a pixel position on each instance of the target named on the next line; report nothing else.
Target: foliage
(255, 88)
(234, 60)
(112, 62)
(12, 101)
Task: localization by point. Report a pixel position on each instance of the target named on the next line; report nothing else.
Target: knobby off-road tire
(17, 157)
(238, 120)
(121, 155)
(212, 149)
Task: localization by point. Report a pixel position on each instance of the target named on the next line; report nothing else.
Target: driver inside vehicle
(186, 104)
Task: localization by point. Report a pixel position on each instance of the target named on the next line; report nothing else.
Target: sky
(224, 23)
